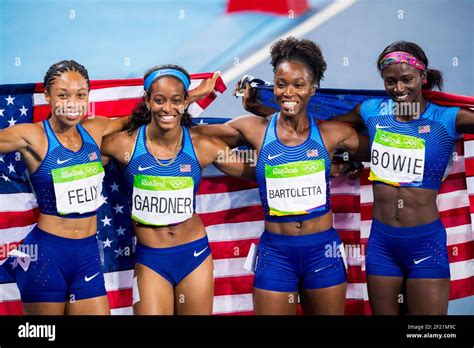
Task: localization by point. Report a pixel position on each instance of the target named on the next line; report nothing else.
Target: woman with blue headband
(411, 145)
(163, 160)
(62, 155)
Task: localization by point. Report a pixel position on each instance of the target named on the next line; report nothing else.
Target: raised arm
(205, 88)
(465, 121)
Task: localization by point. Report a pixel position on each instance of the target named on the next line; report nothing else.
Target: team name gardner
(400, 109)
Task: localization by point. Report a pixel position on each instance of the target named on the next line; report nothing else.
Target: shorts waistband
(174, 249)
(405, 232)
(47, 237)
(307, 239)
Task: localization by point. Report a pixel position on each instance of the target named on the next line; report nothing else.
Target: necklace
(175, 154)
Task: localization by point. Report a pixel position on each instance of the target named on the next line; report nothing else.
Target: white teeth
(167, 118)
(402, 97)
(75, 114)
(290, 104)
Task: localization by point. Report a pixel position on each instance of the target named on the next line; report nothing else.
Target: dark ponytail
(434, 78)
(141, 115)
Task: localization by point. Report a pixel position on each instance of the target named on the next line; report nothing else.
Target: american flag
(230, 209)
(424, 129)
(312, 153)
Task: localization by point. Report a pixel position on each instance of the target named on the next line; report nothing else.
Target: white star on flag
(23, 111)
(11, 122)
(10, 100)
(118, 208)
(1, 112)
(5, 177)
(106, 221)
(121, 231)
(119, 252)
(1, 158)
(11, 168)
(114, 187)
(107, 243)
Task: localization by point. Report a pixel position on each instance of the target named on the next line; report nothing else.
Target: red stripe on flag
(453, 183)
(461, 252)
(461, 288)
(11, 308)
(245, 214)
(120, 298)
(204, 102)
(231, 249)
(366, 210)
(18, 218)
(223, 184)
(233, 285)
(345, 203)
(357, 307)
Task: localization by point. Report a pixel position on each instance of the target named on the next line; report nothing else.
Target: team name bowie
(162, 205)
(396, 161)
(37, 331)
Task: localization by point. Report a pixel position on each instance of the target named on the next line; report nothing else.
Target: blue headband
(166, 72)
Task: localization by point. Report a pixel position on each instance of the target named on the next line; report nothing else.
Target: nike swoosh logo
(196, 254)
(416, 262)
(88, 279)
(270, 157)
(66, 160)
(320, 269)
(377, 126)
(141, 169)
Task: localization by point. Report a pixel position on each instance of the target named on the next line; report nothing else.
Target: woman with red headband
(411, 144)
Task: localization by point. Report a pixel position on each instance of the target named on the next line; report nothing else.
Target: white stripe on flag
(452, 200)
(17, 202)
(213, 202)
(14, 234)
(460, 234)
(122, 311)
(462, 269)
(469, 148)
(230, 268)
(344, 186)
(235, 231)
(211, 171)
(232, 303)
(346, 221)
(9, 292)
(118, 280)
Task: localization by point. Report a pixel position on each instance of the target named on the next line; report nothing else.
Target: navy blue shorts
(409, 252)
(174, 263)
(289, 263)
(61, 269)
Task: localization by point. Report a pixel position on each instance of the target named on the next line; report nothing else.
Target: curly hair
(434, 77)
(57, 69)
(303, 51)
(141, 115)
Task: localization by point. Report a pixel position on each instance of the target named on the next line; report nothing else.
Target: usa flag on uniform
(424, 129)
(185, 168)
(312, 153)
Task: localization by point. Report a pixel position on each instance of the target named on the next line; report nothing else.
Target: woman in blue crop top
(163, 160)
(299, 253)
(411, 144)
(62, 155)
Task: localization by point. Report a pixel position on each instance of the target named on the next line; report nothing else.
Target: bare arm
(465, 121)
(105, 125)
(340, 135)
(214, 150)
(352, 117)
(118, 146)
(236, 132)
(204, 88)
(17, 138)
